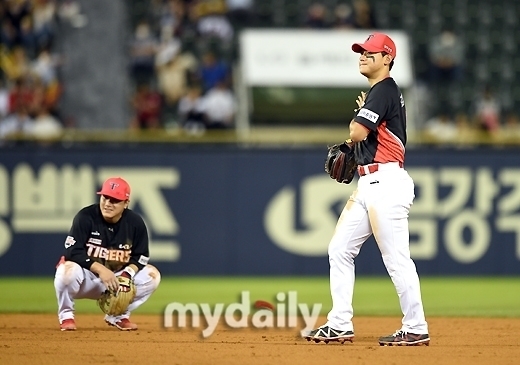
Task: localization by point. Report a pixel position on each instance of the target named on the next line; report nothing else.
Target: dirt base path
(36, 339)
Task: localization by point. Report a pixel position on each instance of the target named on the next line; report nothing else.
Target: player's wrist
(345, 147)
(128, 272)
(348, 144)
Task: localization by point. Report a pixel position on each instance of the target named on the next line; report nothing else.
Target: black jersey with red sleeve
(92, 239)
(384, 114)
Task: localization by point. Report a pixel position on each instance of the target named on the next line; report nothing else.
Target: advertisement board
(258, 211)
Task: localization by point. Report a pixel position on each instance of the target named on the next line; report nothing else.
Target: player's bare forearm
(97, 268)
(358, 132)
(106, 276)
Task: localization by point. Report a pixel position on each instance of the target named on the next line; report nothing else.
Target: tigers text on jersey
(92, 239)
(384, 114)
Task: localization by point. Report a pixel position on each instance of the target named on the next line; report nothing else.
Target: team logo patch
(143, 260)
(368, 114)
(70, 241)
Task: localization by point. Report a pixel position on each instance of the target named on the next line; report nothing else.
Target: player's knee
(154, 274)
(67, 273)
(335, 249)
(337, 252)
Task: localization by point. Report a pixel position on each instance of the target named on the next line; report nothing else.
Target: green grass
(373, 296)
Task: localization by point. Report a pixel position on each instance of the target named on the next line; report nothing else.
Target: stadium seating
(487, 27)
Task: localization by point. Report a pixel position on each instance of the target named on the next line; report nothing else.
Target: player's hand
(109, 279)
(361, 100)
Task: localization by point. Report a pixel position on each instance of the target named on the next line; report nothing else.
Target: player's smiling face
(370, 63)
(111, 208)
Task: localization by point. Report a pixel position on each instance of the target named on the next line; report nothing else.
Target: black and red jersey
(92, 239)
(384, 114)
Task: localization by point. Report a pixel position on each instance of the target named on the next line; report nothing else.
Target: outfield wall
(246, 211)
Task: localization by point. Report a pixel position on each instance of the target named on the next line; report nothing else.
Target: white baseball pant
(379, 206)
(74, 282)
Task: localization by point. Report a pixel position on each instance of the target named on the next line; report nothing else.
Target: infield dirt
(36, 339)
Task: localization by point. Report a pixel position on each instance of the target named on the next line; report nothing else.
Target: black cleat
(327, 334)
(402, 338)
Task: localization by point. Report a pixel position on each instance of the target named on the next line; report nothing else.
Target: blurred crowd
(486, 117)
(181, 59)
(30, 87)
(183, 52)
(181, 56)
(357, 14)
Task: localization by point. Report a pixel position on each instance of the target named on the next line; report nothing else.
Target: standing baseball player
(379, 206)
(107, 245)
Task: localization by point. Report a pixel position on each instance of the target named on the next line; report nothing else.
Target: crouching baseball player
(106, 259)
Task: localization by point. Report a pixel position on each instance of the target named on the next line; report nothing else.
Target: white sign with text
(283, 57)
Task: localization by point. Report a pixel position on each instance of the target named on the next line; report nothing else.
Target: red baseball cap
(115, 187)
(376, 42)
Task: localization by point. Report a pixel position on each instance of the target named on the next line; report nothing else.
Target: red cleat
(68, 325)
(124, 325)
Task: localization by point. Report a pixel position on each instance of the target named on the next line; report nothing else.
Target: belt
(371, 168)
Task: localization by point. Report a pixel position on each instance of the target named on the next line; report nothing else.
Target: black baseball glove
(340, 163)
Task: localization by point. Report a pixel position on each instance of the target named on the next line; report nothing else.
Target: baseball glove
(115, 303)
(340, 163)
